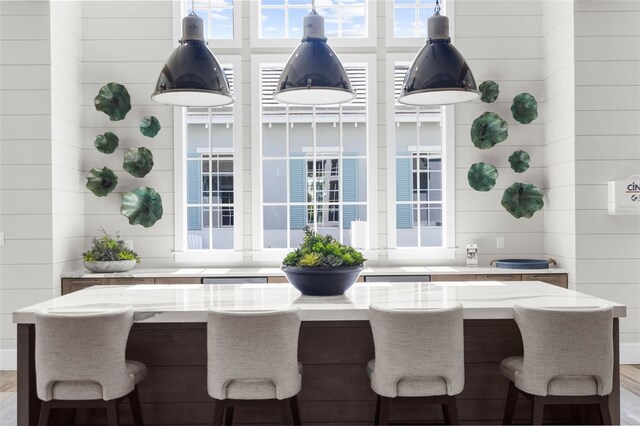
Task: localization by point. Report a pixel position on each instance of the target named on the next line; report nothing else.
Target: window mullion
(340, 176)
(210, 195)
(287, 138)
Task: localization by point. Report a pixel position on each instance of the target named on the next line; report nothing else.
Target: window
(314, 163)
(410, 17)
(218, 17)
(284, 18)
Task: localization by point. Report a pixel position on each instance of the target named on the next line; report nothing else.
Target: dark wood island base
(335, 386)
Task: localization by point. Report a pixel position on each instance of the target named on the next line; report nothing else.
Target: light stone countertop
(276, 272)
(177, 303)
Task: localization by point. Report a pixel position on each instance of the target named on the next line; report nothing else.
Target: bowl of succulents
(109, 254)
(322, 266)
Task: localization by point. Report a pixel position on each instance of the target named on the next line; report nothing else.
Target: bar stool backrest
(253, 346)
(417, 344)
(83, 348)
(570, 342)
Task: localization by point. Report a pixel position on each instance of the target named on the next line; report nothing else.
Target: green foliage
(322, 250)
(107, 248)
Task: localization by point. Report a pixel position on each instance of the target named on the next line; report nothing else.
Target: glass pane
(272, 2)
(431, 237)
(404, 22)
(300, 3)
(404, 2)
(221, 24)
(272, 23)
(431, 136)
(222, 232)
(197, 236)
(424, 13)
(328, 138)
(331, 20)
(406, 236)
(222, 136)
(354, 180)
(296, 19)
(354, 140)
(353, 22)
(274, 140)
(275, 227)
(300, 139)
(406, 138)
(197, 139)
(350, 214)
(274, 181)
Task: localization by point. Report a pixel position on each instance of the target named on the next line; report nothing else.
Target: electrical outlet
(500, 242)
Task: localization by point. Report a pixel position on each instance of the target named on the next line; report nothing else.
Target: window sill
(208, 256)
(411, 253)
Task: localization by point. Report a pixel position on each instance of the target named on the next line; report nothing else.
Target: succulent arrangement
(142, 205)
(322, 250)
(108, 248)
(522, 199)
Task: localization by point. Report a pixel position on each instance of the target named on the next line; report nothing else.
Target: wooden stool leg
(385, 405)
(228, 415)
(295, 411)
(450, 411)
(376, 419)
(218, 411)
(45, 412)
(112, 413)
(604, 410)
(285, 411)
(537, 410)
(510, 406)
(136, 410)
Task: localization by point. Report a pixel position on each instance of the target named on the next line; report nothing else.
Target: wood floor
(629, 396)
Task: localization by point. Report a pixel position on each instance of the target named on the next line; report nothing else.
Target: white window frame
(448, 249)
(214, 43)
(448, 9)
(260, 254)
(213, 256)
(370, 41)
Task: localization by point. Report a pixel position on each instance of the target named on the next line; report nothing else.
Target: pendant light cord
(436, 9)
(313, 5)
(193, 6)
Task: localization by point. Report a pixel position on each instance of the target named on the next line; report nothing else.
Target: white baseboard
(8, 359)
(630, 353)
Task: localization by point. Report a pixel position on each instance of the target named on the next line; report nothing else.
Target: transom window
(410, 17)
(217, 15)
(283, 19)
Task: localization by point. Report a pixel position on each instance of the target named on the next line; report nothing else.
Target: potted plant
(321, 266)
(109, 254)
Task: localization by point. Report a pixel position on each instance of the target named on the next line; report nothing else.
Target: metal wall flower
(488, 130)
(101, 182)
(482, 176)
(524, 108)
(519, 161)
(522, 199)
(138, 161)
(113, 99)
(490, 91)
(143, 206)
(149, 126)
(106, 143)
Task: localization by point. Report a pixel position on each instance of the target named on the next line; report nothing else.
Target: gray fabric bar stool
(568, 359)
(80, 363)
(419, 353)
(253, 356)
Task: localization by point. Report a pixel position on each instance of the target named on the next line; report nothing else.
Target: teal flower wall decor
(519, 161)
(138, 161)
(524, 108)
(143, 206)
(490, 91)
(522, 199)
(482, 176)
(106, 143)
(488, 130)
(113, 99)
(101, 182)
(149, 126)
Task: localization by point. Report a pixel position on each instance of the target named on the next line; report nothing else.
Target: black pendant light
(313, 74)
(439, 75)
(192, 76)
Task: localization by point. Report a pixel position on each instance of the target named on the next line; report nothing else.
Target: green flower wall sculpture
(519, 161)
(524, 108)
(522, 199)
(101, 182)
(143, 206)
(482, 176)
(149, 126)
(114, 100)
(106, 143)
(138, 161)
(490, 91)
(488, 130)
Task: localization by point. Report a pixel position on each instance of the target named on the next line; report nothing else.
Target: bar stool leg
(228, 415)
(376, 420)
(450, 411)
(136, 410)
(218, 411)
(604, 410)
(285, 411)
(510, 407)
(384, 410)
(295, 411)
(112, 413)
(45, 412)
(537, 410)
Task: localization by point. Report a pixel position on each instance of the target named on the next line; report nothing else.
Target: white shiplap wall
(607, 141)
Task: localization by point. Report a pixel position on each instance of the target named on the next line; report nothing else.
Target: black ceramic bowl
(322, 280)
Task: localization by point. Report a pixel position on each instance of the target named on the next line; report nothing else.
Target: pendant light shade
(192, 76)
(439, 75)
(314, 75)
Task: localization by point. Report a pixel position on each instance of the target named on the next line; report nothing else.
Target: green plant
(107, 248)
(322, 250)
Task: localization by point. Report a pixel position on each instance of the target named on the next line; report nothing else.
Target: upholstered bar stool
(253, 356)
(80, 363)
(568, 359)
(419, 353)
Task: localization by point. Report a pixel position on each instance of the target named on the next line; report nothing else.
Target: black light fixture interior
(439, 75)
(192, 75)
(313, 74)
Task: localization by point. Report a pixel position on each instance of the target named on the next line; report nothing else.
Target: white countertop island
(188, 303)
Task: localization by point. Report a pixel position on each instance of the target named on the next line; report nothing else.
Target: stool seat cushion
(85, 389)
(415, 386)
(560, 385)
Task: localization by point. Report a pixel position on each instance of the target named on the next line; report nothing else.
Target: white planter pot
(110, 266)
